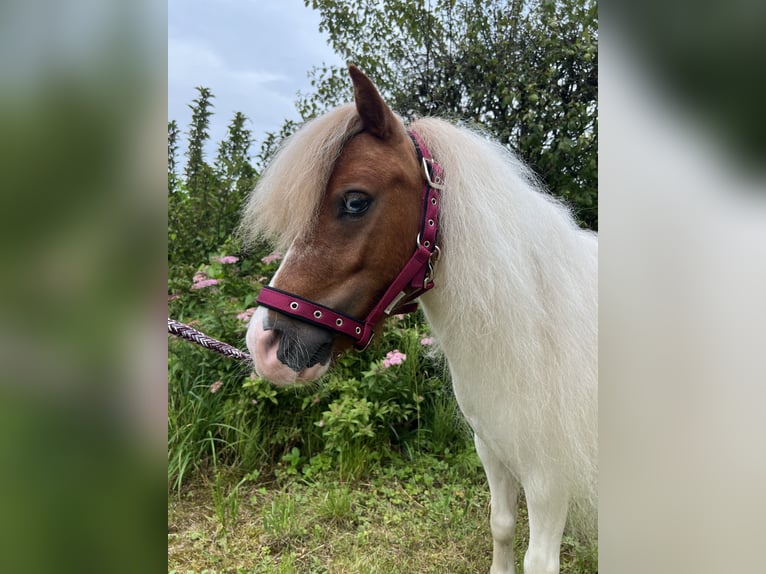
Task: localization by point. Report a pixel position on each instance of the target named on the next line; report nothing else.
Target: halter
(415, 278)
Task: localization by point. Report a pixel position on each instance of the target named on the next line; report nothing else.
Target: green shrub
(372, 406)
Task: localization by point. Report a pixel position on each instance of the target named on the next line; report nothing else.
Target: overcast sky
(254, 55)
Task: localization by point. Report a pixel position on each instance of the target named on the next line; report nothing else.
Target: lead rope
(190, 334)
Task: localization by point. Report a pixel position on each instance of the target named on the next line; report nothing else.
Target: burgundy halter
(415, 278)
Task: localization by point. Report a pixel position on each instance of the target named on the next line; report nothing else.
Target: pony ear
(377, 117)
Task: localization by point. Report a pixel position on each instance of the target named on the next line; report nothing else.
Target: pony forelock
(285, 203)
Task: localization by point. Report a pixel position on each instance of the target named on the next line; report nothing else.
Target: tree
(524, 71)
(204, 204)
(172, 153)
(234, 177)
(198, 173)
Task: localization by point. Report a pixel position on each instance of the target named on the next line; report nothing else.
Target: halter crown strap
(415, 278)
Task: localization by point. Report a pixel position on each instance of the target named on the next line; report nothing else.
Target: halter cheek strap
(415, 278)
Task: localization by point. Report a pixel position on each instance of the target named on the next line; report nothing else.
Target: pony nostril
(302, 346)
(322, 354)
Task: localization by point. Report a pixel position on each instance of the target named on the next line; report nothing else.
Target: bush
(388, 401)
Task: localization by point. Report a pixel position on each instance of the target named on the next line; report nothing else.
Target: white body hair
(515, 311)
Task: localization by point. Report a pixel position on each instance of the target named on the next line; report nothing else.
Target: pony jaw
(263, 346)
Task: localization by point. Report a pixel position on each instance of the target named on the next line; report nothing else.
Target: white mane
(517, 297)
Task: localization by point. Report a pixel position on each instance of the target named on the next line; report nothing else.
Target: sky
(254, 55)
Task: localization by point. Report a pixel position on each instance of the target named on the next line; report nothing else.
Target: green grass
(373, 470)
(426, 515)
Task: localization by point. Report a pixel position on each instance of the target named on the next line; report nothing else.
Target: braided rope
(190, 334)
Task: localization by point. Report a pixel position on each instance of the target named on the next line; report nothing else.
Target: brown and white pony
(514, 307)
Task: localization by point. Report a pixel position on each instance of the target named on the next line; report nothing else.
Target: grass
(372, 471)
(425, 515)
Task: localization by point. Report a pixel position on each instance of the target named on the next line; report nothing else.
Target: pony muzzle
(285, 352)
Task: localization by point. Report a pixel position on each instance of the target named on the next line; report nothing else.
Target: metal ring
(437, 180)
(339, 322)
(294, 305)
(318, 314)
(358, 330)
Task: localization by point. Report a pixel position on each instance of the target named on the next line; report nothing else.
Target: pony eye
(355, 203)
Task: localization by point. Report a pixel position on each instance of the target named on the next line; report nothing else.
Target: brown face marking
(366, 229)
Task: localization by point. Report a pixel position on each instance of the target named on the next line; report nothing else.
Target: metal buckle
(394, 303)
(433, 261)
(438, 184)
(363, 349)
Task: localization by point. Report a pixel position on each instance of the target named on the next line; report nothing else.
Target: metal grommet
(339, 322)
(358, 330)
(294, 305)
(426, 244)
(433, 201)
(318, 314)
(431, 222)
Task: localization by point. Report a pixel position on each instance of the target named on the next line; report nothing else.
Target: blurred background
(682, 224)
(682, 279)
(82, 343)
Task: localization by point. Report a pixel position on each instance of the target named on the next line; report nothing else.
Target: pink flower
(425, 341)
(395, 357)
(204, 283)
(172, 297)
(215, 386)
(271, 258)
(246, 314)
(199, 276)
(227, 259)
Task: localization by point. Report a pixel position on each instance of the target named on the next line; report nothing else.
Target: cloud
(265, 97)
(191, 64)
(254, 56)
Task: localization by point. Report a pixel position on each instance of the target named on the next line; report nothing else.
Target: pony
(513, 305)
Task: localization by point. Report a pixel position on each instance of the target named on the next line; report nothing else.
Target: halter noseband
(415, 278)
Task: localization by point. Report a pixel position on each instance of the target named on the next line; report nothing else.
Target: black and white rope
(190, 334)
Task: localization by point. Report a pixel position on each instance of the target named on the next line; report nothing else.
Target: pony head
(343, 196)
